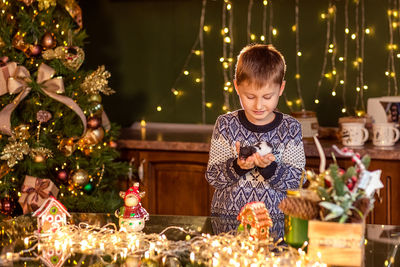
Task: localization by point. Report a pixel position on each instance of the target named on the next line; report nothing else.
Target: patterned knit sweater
(234, 187)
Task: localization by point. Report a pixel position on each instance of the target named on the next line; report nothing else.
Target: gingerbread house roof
(259, 212)
(47, 204)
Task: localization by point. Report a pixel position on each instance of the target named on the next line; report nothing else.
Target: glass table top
(380, 248)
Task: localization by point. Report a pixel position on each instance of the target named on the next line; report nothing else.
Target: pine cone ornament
(300, 208)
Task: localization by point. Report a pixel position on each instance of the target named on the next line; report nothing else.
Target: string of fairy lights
(296, 29)
(227, 53)
(112, 246)
(338, 63)
(335, 76)
(393, 24)
(197, 50)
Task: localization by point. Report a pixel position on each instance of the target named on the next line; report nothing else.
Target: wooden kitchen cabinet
(174, 182)
(175, 165)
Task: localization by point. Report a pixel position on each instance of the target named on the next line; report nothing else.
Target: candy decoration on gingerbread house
(51, 215)
(254, 218)
(52, 257)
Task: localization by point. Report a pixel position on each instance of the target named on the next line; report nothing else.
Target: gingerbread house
(254, 217)
(53, 258)
(51, 215)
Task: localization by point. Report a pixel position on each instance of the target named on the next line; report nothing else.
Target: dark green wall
(144, 44)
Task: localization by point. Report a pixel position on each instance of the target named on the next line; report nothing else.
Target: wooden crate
(339, 244)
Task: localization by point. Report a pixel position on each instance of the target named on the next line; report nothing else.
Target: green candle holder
(296, 231)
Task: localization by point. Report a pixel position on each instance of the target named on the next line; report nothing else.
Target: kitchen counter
(199, 141)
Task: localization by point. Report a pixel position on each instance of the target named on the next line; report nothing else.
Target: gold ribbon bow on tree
(15, 79)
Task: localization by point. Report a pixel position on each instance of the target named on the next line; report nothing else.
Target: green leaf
(344, 218)
(351, 171)
(366, 160)
(336, 209)
(323, 194)
(339, 185)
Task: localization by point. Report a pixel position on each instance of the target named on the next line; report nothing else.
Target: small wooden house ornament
(254, 218)
(51, 215)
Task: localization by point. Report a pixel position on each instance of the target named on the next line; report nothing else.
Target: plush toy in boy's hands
(263, 148)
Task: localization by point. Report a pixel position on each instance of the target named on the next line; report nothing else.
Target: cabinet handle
(389, 199)
(141, 170)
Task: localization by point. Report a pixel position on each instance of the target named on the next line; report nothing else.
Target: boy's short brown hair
(260, 64)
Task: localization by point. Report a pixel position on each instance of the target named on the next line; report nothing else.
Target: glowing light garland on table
(211, 250)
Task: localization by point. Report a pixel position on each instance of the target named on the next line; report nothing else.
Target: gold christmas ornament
(2, 43)
(73, 58)
(58, 53)
(48, 40)
(14, 152)
(19, 43)
(97, 82)
(95, 98)
(79, 178)
(67, 146)
(45, 4)
(40, 154)
(39, 159)
(21, 132)
(93, 136)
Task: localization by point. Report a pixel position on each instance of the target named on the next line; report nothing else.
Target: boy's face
(259, 103)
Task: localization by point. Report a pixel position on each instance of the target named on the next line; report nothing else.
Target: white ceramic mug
(385, 134)
(354, 134)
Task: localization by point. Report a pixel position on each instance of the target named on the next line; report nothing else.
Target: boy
(259, 83)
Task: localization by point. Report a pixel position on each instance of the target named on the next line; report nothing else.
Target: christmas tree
(55, 136)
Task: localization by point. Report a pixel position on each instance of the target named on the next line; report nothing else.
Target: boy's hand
(263, 161)
(254, 160)
(245, 164)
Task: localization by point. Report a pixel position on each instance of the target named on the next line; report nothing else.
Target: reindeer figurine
(132, 215)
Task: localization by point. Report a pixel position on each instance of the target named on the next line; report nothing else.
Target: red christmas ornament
(34, 50)
(62, 176)
(48, 41)
(350, 185)
(94, 122)
(7, 206)
(328, 184)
